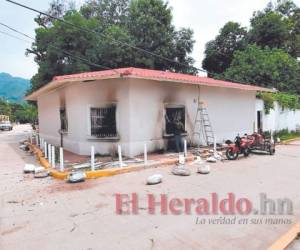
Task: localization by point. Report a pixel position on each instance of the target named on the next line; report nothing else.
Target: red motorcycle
(239, 146)
(260, 143)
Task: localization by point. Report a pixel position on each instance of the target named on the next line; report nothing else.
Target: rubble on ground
(211, 159)
(154, 179)
(203, 169)
(42, 174)
(29, 168)
(181, 170)
(76, 176)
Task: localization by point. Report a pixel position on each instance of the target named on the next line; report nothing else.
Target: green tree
(107, 12)
(265, 67)
(5, 108)
(150, 25)
(269, 29)
(219, 52)
(28, 114)
(57, 9)
(277, 27)
(51, 43)
(286, 8)
(146, 24)
(23, 113)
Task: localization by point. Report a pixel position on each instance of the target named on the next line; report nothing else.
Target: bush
(285, 134)
(285, 100)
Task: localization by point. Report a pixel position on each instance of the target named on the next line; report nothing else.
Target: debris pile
(202, 167)
(212, 155)
(154, 179)
(24, 145)
(76, 176)
(181, 170)
(38, 171)
(29, 168)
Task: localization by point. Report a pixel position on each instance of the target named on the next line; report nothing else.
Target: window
(174, 114)
(63, 119)
(103, 122)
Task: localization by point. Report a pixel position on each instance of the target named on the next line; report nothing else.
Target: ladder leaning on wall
(202, 126)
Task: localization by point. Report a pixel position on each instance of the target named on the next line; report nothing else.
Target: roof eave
(55, 84)
(257, 89)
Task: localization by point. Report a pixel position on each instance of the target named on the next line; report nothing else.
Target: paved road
(50, 214)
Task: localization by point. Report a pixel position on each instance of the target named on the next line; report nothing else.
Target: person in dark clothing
(178, 129)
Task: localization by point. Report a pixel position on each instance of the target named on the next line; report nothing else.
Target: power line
(18, 38)
(50, 45)
(73, 56)
(115, 41)
(80, 58)
(102, 35)
(19, 32)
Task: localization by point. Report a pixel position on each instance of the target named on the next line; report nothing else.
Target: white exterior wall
(78, 99)
(140, 112)
(231, 111)
(278, 118)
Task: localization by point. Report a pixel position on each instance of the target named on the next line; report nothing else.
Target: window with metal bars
(175, 116)
(103, 122)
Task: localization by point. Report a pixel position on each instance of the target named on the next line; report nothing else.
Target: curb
(134, 168)
(286, 238)
(290, 140)
(101, 173)
(44, 162)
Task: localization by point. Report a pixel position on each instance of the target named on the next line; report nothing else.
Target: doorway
(259, 122)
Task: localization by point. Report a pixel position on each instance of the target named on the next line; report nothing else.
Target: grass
(285, 135)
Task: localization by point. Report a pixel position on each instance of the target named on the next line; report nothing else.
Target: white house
(127, 107)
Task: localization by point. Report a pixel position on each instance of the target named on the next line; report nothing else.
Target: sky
(204, 17)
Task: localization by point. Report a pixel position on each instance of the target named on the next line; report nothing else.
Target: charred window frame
(171, 114)
(103, 122)
(63, 119)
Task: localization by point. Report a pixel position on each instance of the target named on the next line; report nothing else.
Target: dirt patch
(68, 187)
(101, 205)
(13, 230)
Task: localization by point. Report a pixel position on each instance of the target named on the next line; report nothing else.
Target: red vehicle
(259, 142)
(241, 145)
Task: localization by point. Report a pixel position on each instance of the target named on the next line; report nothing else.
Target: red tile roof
(158, 75)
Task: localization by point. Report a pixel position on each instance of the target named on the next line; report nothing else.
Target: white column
(181, 159)
(53, 156)
(185, 148)
(49, 153)
(45, 150)
(215, 145)
(93, 158)
(145, 154)
(120, 156)
(61, 159)
(272, 138)
(30, 138)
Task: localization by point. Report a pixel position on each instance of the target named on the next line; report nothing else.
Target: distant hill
(13, 88)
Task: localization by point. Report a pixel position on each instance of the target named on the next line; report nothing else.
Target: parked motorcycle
(260, 143)
(239, 146)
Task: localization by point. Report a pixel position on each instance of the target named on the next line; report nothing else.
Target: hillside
(13, 88)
